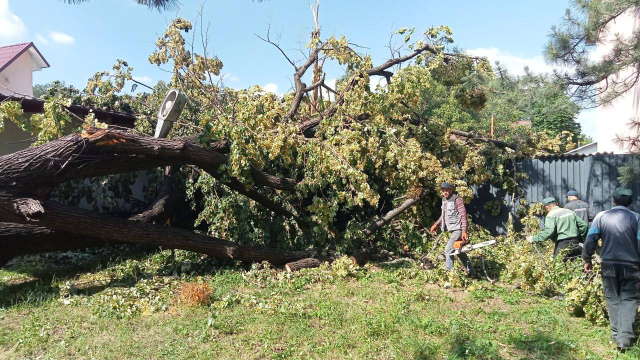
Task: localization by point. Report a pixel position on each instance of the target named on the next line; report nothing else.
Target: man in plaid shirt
(453, 218)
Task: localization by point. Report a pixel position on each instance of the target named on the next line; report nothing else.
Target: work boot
(622, 347)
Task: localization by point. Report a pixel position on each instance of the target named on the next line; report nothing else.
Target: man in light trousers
(453, 218)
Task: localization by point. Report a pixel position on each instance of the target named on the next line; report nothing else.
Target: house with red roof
(17, 64)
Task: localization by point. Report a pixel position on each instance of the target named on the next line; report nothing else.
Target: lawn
(128, 303)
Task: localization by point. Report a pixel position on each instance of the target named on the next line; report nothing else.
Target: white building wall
(613, 119)
(18, 76)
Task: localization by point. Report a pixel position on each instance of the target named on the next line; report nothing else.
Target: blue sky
(79, 40)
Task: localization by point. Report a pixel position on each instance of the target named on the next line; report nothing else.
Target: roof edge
(17, 55)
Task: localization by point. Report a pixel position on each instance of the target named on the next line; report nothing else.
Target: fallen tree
(292, 180)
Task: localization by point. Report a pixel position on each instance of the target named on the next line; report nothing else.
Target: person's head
(622, 197)
(572, 195)
(446, 189)
(549, 203)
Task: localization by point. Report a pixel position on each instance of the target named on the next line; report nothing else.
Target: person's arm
(589, 246)
(583, 228)
(463, 214)
(435, 225)
(590, 214)
(638, 234)
(549, 230)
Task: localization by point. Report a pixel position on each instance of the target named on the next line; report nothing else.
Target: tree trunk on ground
(30, 224)
(305, 264)
(82, 222)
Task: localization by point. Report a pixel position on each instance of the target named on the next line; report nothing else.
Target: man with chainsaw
(564, 227)
(453, 218)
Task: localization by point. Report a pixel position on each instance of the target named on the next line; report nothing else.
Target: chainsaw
(459, 248)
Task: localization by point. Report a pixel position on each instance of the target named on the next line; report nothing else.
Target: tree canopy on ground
(320, 169)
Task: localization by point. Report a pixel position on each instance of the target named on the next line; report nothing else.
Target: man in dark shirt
(619, 229)
(580, 207)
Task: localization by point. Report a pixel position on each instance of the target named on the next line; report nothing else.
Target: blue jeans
(455, 235)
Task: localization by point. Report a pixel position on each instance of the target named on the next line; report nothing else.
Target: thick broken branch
(471, 136)
(386, 219)
(81, 222)
(23, 239)
(104, 152)
(381, 69)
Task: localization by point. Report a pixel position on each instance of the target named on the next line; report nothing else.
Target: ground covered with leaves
(132, 303)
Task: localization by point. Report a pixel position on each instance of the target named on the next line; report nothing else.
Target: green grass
(125, 308)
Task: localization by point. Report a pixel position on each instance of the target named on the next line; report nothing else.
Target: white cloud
(272, 88)
(375, 81)
(229, 77)
(12, 28)
(61, 38)
(142, 79)
(41, 39)
(515, 64)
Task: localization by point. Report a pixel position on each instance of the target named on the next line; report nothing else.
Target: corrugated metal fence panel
(594, 178)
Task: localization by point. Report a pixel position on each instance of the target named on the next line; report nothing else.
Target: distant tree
(534, 98)
(594, 82)
(40, 90)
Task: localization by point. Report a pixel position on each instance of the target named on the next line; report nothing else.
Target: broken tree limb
(23, 239)
(306, 263)
(471, 136)
(104, 152)
(62, 218)
(386, 219)
(97, 152)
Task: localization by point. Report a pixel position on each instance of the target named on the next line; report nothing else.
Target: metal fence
(594, 177)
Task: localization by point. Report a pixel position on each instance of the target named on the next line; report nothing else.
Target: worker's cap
(622, 192)
(549, 201)
(572, 193)
(446, 185)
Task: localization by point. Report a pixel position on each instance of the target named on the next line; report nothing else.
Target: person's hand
(465, 237)
(588, 267)
(530, 239)
(433, 229)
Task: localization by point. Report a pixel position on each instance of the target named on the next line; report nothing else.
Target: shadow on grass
(39, 278)
(465, 346)
(396, 264)
(44, 273)
(542, 346)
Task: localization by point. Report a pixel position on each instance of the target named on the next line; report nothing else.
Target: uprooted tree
(249, 176)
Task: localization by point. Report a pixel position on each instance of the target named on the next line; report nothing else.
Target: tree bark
(384, 220)
(304, 264)
(23, 239)
(104, 152)
(81, 222)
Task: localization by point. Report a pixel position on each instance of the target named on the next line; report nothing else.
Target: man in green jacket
(564, 227)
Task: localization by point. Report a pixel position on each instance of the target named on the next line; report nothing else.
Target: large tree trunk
(29, 223)
(51, 215)
(29, 175)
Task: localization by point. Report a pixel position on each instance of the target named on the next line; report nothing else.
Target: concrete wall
(613, 119)
(18, 76)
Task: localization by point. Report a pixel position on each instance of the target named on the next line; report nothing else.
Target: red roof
(10, 53)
